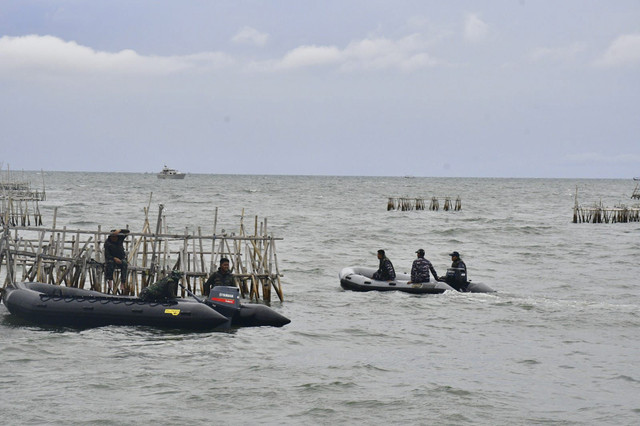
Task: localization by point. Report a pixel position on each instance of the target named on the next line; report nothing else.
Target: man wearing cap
(222, 276)
(115, 257)
(420, 269)
(385, 270)
(456, 262)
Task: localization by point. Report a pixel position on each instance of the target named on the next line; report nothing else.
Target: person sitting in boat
(163, 290)
(420, 269)
(385, 270)
(115, 257)
(456, 262)
(457, 274)
(222, 276)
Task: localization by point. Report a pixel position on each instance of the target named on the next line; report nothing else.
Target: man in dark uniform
(457, 274)
(115, 257)
(385, 270)
(420, 269)
(222, 276)
(456, 262)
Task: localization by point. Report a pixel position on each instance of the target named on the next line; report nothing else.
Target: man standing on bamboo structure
(222, 276)
(115, 257)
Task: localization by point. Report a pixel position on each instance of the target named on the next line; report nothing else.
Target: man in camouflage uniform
(420, 269)
(385, 270)
(165, 289)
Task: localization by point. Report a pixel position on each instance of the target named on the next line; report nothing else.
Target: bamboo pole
(213, 243)
(275, 258)
(165, 253)
(202, 262)
(153, 247)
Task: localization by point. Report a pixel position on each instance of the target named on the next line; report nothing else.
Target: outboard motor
(225, 300)
(457, 278)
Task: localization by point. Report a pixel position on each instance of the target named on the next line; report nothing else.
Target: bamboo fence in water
(75, 257)
(418, 203)
(18, 201)
(598, 213)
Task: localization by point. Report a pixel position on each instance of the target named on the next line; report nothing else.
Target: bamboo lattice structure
(598, 213)
(75, 257)
(18, 201)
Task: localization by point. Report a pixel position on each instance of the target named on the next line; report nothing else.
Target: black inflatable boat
(48, 304)
(358, 278)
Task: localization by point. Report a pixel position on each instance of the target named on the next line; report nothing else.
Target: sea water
(557, 344)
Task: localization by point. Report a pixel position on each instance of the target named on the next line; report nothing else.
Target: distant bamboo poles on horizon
(19, 212)
(598, 213)
(418, 203)
(19, 202)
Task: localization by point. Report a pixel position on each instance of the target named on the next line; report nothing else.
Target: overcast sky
(516, 88)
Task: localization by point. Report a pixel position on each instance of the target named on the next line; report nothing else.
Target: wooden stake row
(597, 213)
(16, 212)
(18, 202)
(601, 214)
(407, 203)
(10, 187)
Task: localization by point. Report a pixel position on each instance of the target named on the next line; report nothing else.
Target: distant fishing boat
(168, 173)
